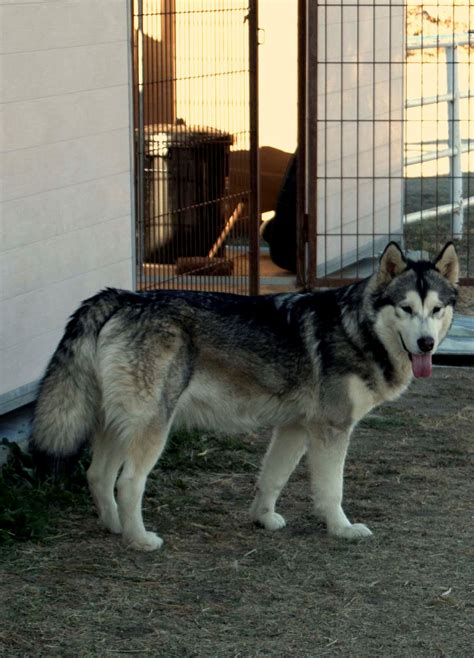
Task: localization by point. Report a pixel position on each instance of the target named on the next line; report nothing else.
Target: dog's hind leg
(108, 455)
(143, 453)
(327, 449)
(287, 446)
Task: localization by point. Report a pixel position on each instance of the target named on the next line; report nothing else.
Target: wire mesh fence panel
(195, 127)
(390, 86)
(439, 119)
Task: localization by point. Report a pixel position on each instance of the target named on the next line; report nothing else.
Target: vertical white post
(141, 143)
(454, 132)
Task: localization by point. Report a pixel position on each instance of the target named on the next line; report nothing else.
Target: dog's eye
(407, 309)
(436, 309)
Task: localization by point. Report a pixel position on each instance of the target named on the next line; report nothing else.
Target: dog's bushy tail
(68, 403)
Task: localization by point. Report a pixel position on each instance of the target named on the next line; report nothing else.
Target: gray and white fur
(310, 365)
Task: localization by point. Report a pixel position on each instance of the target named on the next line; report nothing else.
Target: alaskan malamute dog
(309, 365)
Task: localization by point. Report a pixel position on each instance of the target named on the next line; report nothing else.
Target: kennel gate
(387, 133)
(196, 144)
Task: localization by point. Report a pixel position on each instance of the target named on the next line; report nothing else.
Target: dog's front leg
(287, 446)
(327, 450)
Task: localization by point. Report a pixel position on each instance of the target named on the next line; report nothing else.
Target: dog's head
(414, 303)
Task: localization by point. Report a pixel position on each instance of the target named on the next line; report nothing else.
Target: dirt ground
(221, 587)
(465, 304)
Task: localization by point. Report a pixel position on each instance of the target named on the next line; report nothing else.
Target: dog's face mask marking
(416, 303)
(422, 325)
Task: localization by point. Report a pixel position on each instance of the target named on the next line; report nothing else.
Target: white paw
(147, 542)
(354, 531)
(271, 521)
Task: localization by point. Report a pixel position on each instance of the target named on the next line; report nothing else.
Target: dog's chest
(362, 398)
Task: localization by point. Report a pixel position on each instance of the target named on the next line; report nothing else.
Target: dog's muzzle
(421, 364)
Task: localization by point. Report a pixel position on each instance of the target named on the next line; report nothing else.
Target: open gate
(196, 144)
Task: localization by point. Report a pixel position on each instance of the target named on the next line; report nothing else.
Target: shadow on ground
(220, 587)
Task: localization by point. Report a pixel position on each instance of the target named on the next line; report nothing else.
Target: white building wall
(360, 129)
(277, 77)
(65, 225)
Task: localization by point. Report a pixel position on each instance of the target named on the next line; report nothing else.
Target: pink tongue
(421, 365)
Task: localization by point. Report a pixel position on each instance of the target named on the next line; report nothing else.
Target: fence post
(140, 137)
(455, 144)
(254, 157)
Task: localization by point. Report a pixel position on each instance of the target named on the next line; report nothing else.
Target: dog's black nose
(426, 343)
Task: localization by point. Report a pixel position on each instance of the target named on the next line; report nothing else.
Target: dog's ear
(392, 263)
(447, 263)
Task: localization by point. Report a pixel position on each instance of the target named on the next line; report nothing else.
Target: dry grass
(430, 235)
(465, 303)
(222, 588)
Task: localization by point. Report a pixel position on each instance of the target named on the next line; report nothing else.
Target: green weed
(383, 422)
(29, 503)
(207, 452)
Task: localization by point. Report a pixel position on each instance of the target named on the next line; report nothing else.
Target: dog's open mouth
(421, 364)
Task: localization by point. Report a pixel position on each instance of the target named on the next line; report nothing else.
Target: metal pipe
(437, 155)
(254, 197)
(438, 211)
(428, 100)
(431, 155)
(132, 138)
(454, 140)
(312, 34)
(434, 100)
(301, 169)
(141, 144)
(440, 41)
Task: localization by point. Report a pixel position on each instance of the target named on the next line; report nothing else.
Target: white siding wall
(360, 114)
(65, 196)
(277, 77)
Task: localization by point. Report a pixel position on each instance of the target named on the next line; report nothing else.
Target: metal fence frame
(154, 68)
(455, 149)
(307, 156)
